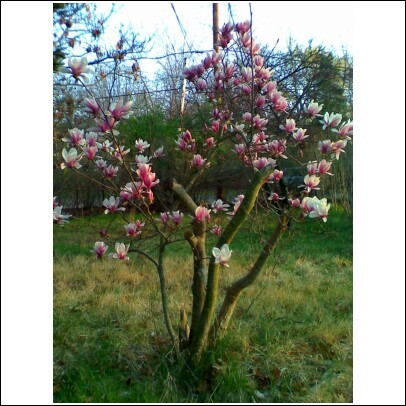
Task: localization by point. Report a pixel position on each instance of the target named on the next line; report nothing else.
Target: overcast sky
(328, 23)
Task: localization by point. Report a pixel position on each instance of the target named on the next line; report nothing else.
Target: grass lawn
(290, 339)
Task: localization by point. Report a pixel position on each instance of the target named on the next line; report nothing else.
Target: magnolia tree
(245, 102)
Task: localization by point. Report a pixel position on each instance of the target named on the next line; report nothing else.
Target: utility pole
(216, 32)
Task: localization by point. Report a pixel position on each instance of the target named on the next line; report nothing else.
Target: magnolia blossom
(210, 143)
(198, 161)
(93, 106)
(324, 167)
(202, 214)
(120, 153)
(101, 164)
(176, 217)
(325, 147)
(276, 176)
(112, 205)
(164, 217)
(264, 162)
(320, 209)
(99, 248)
(134, 189)
(141, 145)
(149, 181)
(216, 230)
(259, 122)
(121, 251)
(277, 148)
(110, 171)
(345, 130)
(275, 197)
(311, 182)
(240, 149)
(307, 205)
(91, 139)
(337, 148)
(237, 203)
(77, 67)
(119, 110)
(294, 203)
(60, 218)
(312, 168)
(289, 126)
(141, 159)
(71, 158)
(218, 205)
(330, 121)
(300, 134)
(223, 255)
(90, 152)
(105, 126)
(260, 102)
(133, 229)
(313, 109)
(76, 137)
(159, 153)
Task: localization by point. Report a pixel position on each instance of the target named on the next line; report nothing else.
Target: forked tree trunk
(234, 291)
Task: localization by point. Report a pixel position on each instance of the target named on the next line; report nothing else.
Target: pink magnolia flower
(112, 205)
(90, 152)
(280, 104)
(71, 158)
(311, 182)
(289, 126)
(110, 171)
(240, 149)
(176, 217)
(312, 168)
(198, 161)
(99, 248)
(150, 182)
(164, 217)
(103, 232)
(133, 229)
(105, 126)
(120, 153)
(201, 85)
(337, 148)
(202, 214)
(237, 203)
(210, 143)
(263, 162)
(325, 147)
(276, 176)
(247, 117)
(133, 189)
(294, 203)
(77, 67)
(275, 197)
(299, 135)
(307, 205)
(141, 145)
(126, 195)
(60, 218)
(106, 146)
(246, 89)
(223, 255)
(119, 110)
(330, 121)
(121, 251)
(76, 137)
(101, 164)
(219, 205)
(320, 209)
(159, 153)
(143, 170)
(244, 27)
(270, 87)
(324, 167)
(277, 148)
(313, 109)
(345, 130)
(216, 230)
(93, 106)
(215, 126)
(91, 139)
(141, 159)
(259, 122)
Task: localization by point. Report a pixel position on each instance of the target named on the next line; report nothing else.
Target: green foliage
(290, 339)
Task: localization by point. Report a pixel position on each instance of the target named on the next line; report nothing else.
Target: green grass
(290, 339)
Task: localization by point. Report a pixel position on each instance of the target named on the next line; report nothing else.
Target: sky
(327, 23)
(379, 173)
